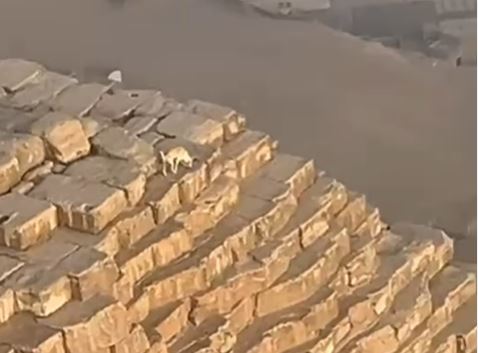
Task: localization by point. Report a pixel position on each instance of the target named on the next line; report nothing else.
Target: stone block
(106, 241)
(38, 173)
(90, 273)
(8, 266)
(195, 128)
(82, 205)
(7, 304)
(162, 195)
(157, 106)
(93, 125)
(117, 142)
(17, 73)
(241, 316)
(40, 338)
(119, 104)
(46, 88)
(18, 154)
(78, 100)
(25, 221)
(297, 172)
(133, 225)
(248, 152)
(233, 123)
(90, 325)
(141, 125)
(172, 320)
(380, 341)
(64, 136)
(116, 173)
(210, 207)
(135, 342)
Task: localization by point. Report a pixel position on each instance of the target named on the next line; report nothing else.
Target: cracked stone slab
(47, 88)
(120, 103)
(25, 221)
(17, 73)
(120, 174)
(78, 100)
(82, 205)
(192, 127)
(157, 106)
(118, 143)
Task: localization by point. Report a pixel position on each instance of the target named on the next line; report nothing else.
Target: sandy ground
(403, 134)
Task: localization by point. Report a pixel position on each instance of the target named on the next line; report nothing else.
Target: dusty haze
(402, 133)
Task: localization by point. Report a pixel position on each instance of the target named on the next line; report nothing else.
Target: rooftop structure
(247, 250)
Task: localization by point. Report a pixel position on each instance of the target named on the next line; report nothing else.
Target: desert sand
(402, 133)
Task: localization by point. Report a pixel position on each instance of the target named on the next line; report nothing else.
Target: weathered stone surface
(64, 136)
(120, 104)
(156, 106)
(233, 122)
(78, 100)
(162, 195)
(82, 205)
(17, 73)
(151, 137)
(92, 125)
(18, 154)
(247, 153)
(192, 127)
(297, 172)
(25, 221)
(90, 272)
(140, 125)
(135, 342)
(7, 304)
(37, 173)
(40, 338)
(116, 173)
(46, 88)
(90, 325)
(118, 143)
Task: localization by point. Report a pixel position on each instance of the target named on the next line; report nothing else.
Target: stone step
(409, 309)
(450, 288)
(460, 335)
(401, 260)
(294, 324)
(176, 237)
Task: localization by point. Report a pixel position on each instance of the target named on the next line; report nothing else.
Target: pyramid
(104, 249)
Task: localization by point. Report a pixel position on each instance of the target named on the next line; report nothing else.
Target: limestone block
(23, 187)
(133, 225)
(287, 335)
(82, 205)
(37, 173)
(297, 172)
(353, 214)
(106, 241)
(383, 340)
(64, 136)
(189, 126)
(90, 325)
(241, 316)
(41, 292)
(40, 338)
(119, 104)
(248, 152)
(8, 266)
(210, 207)
(233, 123)
(157, 106)
(25, 221)
(17, 73)
(172, 323)
(18, 154)
(116, 173)
(46, 88)
(118, 143)
(140, 125)
(7, 304)
(78, 100)
(17, 121)
(162, 195)
(151, 137)
(135, 342)
(178, 286)
(90, 272)
(92, 125)
(371, 226)
(322, 313)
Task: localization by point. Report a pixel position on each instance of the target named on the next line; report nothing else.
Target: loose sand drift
(402, 134)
